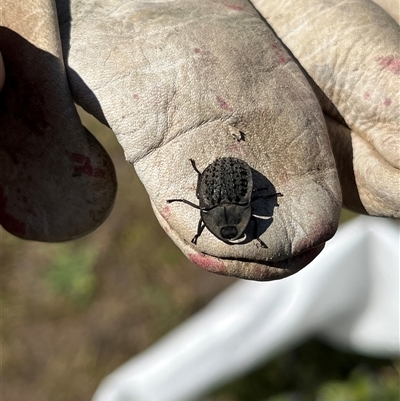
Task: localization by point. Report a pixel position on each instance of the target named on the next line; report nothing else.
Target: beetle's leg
(194, 166)
(262, 244)
(255, 197)
(183, 201)
(200, 229)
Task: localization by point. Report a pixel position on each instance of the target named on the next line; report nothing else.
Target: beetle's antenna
(255, 197)
(183, 201)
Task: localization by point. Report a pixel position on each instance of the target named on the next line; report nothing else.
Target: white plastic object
(348, 296)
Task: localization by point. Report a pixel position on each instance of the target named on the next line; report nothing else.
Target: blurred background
(73, 312)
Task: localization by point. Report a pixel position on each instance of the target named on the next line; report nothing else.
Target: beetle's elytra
(225, 190)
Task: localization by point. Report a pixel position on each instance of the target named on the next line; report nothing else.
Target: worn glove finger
(2, 72)
(392, 7)
(200, 80)
(56, 180)
(350, 50)
(361, 170)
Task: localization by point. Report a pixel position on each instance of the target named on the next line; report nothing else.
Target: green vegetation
(363, 386)
(70, 273)
(317, 372)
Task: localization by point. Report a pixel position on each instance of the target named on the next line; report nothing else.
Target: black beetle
(225, 191)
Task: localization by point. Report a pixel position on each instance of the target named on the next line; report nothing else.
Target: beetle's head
(228, 221)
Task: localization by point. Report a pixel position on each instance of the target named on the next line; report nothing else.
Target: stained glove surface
(56, 181)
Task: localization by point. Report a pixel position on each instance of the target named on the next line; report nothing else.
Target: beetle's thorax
(227, 221)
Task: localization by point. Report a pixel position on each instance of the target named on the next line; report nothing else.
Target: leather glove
(180, 80)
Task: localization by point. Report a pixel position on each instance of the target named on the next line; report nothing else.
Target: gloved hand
(56, 180)
(351, 52)
(180, 80)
